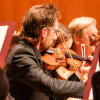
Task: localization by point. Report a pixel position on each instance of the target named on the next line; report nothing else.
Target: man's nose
(55, 37)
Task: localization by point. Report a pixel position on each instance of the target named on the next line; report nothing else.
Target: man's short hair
(38, 17)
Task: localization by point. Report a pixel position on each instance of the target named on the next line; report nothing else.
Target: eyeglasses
(56, 31)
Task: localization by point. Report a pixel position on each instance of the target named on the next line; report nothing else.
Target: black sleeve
(28, 72)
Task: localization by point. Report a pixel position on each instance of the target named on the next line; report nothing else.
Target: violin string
(70, 55)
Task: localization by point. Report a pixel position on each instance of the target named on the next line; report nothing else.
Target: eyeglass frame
(57, 31)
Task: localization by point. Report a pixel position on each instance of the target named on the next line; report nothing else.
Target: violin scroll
(95, 41)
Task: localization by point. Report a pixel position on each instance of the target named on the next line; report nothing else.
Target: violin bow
(70, 56)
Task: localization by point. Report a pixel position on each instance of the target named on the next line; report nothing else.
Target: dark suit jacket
(28, 80)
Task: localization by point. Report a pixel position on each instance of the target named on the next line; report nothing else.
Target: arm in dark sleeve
(28, 72)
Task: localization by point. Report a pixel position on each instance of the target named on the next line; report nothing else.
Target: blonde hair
(78, 25)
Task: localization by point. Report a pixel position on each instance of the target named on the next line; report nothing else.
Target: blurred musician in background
(64, 42)
(24, 66)
(84, 31)
(4, 87)
(64, 34)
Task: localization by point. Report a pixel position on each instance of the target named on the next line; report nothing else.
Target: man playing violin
(65, 41)
(24, 67)
(84, 31)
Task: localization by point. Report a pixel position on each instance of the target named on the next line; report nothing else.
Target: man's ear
(77, 40)
(43, 33)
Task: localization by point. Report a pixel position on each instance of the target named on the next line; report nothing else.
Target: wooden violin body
(54, 60)
(58, 60)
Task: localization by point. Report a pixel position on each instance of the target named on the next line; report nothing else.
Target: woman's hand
(85, 68)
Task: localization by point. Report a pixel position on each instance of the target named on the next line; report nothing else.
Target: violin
(53, 58)
(95, 41)
(56, 57)
(59, 60)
